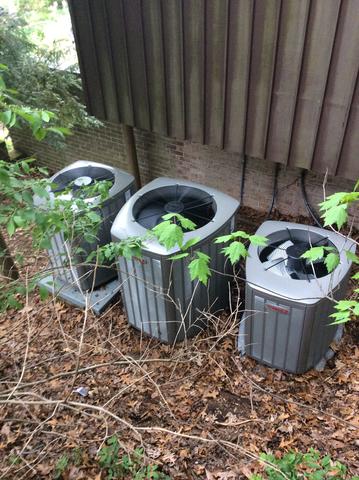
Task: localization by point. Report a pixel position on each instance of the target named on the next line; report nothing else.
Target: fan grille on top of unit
(283, 254)
(75, 179)
(193, 203)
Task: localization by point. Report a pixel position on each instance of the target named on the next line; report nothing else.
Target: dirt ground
(197, 409)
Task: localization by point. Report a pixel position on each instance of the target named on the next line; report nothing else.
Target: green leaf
(185, 223)
(352, 257)
(223, 239)
(45, 243)
(12, 120)
(199, 268)
(179, 256)
(345, 304)
(45, 116)
(11, 227)
(336, 215)
(19, 221)
(241, 234)
(42, 170)
(258, 240)
(43, 292)
(39, 133)
(331, 261)
(4, 176)
(25, 166)
(235, 251)
(314, 253)
(131, 250)
(40, 190)
(62, 131)
(2, 83)
(5, 117)
(168, 234)
(191, 242)
(332, 201)
(94, 217)
(355, 276)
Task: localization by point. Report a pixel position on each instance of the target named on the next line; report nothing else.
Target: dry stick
(92, 367)
(27, 342)
(36, 460)
(137, 430)
(79, 349)
(39, 426)
(237, 424)
(299, 404)
(127, 387)
(70, 403)
(151, 380)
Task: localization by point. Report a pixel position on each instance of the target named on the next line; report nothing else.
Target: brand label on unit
(277, 308)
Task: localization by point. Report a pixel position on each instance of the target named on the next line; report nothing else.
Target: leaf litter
(197, 409)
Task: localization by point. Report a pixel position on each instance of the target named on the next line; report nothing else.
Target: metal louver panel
(163, 302)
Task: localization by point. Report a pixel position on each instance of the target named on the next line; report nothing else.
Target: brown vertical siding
(273, 79)
(264, 43)
(216, 61)
(194, 62)
(238, 62)
(294, 20)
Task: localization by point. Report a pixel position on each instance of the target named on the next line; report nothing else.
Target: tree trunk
(7, 265)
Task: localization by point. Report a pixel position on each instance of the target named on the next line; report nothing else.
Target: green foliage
(129, 248)
(12, 113)
(121, 467)
(296, 465)
(76, 217)
(236, 250)
(170, 232)
(330, 255)
(61, 466)
(199, 267)
(335, 208)
(335, 213)
(38, 79)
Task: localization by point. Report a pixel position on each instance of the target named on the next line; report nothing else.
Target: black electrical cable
(275, 189)
(310, 209)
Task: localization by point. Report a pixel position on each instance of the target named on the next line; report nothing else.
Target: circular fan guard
(193, 203)
(283, 254)
(77, 178)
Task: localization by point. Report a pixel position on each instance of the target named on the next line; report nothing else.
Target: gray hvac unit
(71, 181)
(287, 323)
(160, 298)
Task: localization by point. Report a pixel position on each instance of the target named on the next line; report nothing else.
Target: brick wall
(162, 156)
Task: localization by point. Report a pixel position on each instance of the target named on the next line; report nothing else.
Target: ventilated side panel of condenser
(80, 271)
(144, 295)
(162, 301)
(58, 256)
(274, 332)
(323, 332)
(192, 297)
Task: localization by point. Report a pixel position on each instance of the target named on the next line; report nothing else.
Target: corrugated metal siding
(273, 79)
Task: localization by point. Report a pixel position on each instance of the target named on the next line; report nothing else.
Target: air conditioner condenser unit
(71, 274)
(288, 299)
(160, 298)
